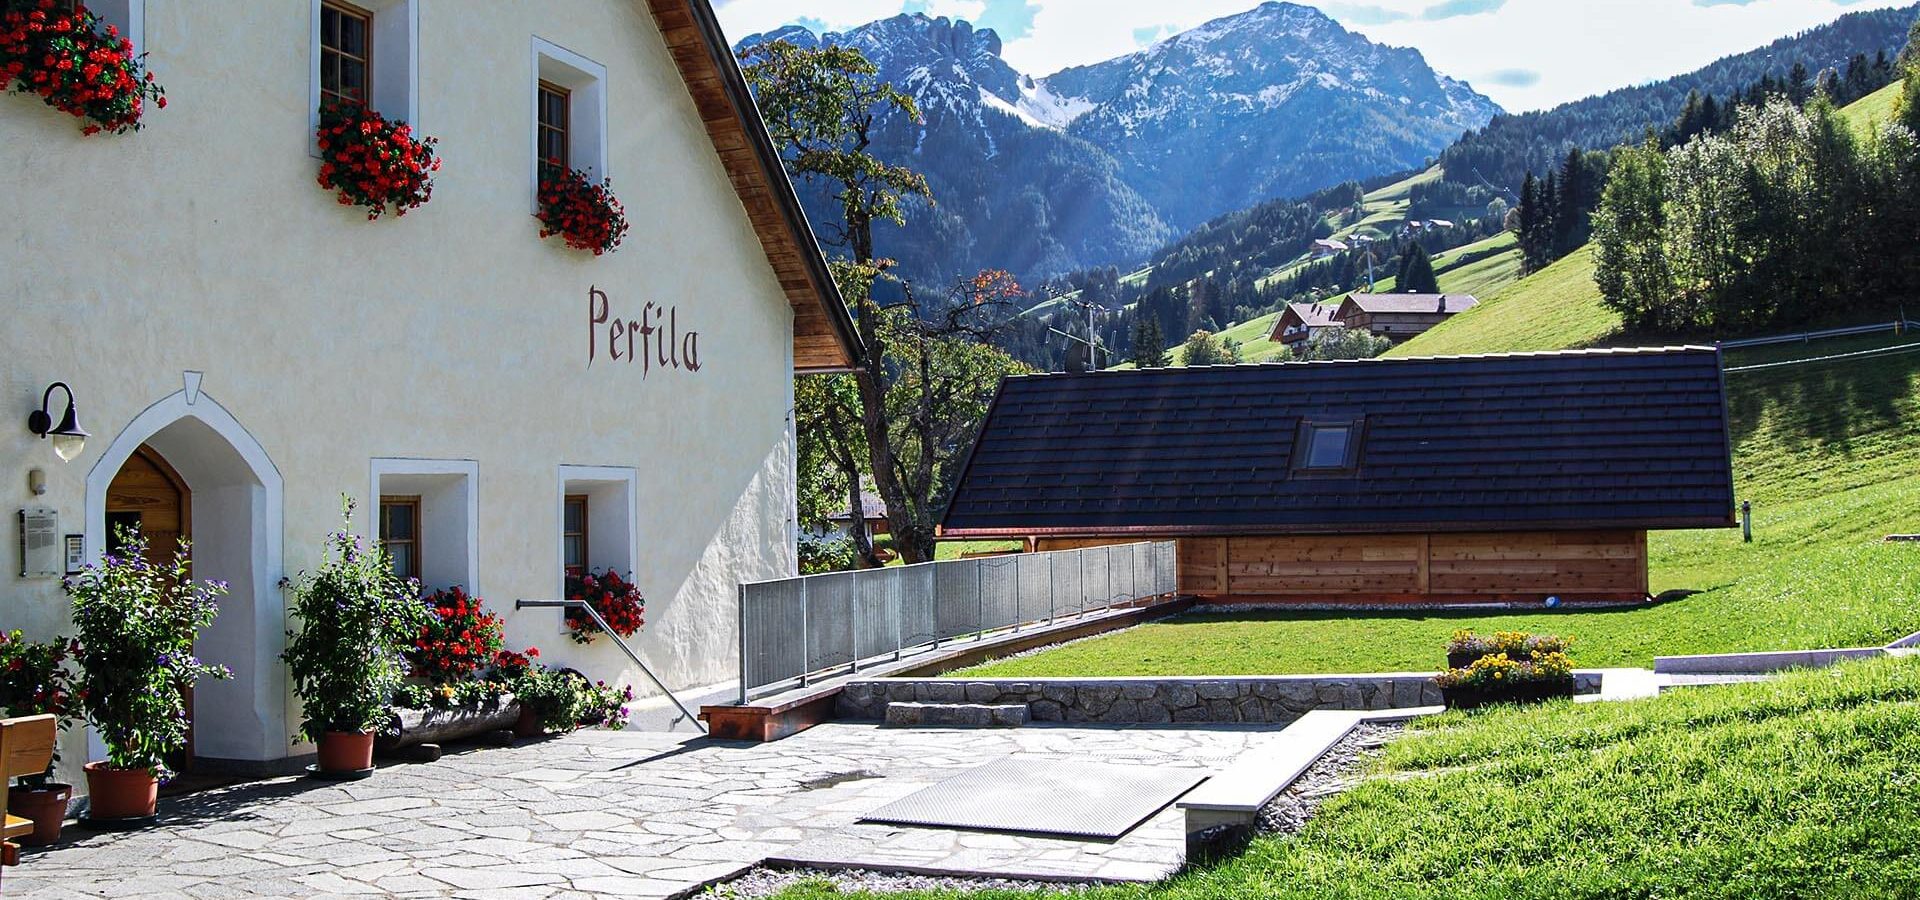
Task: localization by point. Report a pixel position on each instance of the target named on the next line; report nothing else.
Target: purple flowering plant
(136, 622)
(357, 619)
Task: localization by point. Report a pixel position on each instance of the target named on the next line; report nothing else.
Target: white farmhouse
(244, 350)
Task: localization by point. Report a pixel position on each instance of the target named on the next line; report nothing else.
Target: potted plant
(583, 213)
(75, 63)
(1498, 678)
(37, 682)
(373, 163)
(550, 700)
(616, 599)
(1466, 646)
(136, 623)
(357, 618)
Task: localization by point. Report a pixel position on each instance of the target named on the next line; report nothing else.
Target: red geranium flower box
(585, 214)
(616, 599)
(75, 63)
(369, 161)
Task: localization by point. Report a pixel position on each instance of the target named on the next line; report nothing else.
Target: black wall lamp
(68, 437)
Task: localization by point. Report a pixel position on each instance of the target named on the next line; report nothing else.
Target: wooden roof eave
(719, 91)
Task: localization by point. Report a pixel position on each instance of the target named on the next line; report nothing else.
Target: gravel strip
(764, 882)
(1340, 769)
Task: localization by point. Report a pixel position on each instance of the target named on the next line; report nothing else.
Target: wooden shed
(1436, 481)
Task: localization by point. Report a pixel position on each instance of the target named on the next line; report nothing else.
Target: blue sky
(1526, 54)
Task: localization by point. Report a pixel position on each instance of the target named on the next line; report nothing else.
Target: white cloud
(1578, 47)
(1583, 48)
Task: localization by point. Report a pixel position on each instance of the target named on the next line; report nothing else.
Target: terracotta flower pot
(121, 793)
(346, 751)
(528, 725)
(45, 806)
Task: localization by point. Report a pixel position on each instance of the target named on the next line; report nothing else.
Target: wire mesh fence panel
(1143, 583)
(1064, 580)
(957, 599)
(918, 600)
(1000, 591)
(1167, 566)
(798, 627)
(771, 614)
(1120, 571)
(1096, 581)
(877, 599)
(1036, 589)
(830, 612)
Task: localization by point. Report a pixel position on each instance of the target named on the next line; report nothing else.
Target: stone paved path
(612, 814)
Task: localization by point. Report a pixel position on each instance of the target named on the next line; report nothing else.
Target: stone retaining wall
(1154, 701)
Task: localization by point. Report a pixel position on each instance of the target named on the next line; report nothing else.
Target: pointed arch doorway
(185, 466)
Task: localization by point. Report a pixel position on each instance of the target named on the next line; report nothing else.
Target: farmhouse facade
(244, 350)
(1299, 322)
(1428, 481)
(1401, 316)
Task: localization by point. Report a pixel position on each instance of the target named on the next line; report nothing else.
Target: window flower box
(371, 162)
(75, 64)
(580, 211)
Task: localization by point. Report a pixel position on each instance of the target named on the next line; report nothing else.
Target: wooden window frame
(328, 54)
(416, 542)
(564, 129)
(586, 556)
(1303, 447)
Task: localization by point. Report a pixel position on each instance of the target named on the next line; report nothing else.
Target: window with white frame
(427, 520)
(596, 519)
(569, 103)
(365, 51)
(128, 18)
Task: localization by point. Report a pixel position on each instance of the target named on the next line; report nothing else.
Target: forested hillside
(1853, 46)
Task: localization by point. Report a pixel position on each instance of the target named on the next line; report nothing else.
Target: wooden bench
(26, 748)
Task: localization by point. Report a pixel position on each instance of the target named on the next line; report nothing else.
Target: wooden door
(148, 493)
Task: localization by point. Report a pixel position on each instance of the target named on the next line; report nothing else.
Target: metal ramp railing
(622, 644)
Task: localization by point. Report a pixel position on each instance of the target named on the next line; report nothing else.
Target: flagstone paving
(614, 814)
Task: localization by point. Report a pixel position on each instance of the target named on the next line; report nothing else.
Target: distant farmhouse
(1401, 316)
(1397, 316)
(1383, 482)
(1299, 322)
(1328, 247)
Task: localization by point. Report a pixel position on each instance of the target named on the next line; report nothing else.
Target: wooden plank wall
(1409, 568)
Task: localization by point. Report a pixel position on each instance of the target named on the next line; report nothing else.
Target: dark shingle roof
(1580, 439)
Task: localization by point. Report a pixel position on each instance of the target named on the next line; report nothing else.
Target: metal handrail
(622, 644)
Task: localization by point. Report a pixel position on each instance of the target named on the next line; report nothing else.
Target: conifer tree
(1416, 271)
(1149, 344)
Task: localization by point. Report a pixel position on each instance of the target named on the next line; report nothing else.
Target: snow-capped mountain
(1281, 96)
(1099, 165)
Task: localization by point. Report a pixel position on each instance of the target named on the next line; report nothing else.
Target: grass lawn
(1801, 787)
(1553, 309)
(1873, 110)
(1829, 453)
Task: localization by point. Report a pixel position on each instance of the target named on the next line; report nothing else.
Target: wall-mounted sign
(40, 543)
(653, 339)
(76, 553)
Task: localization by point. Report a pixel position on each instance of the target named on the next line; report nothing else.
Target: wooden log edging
(433, 726)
